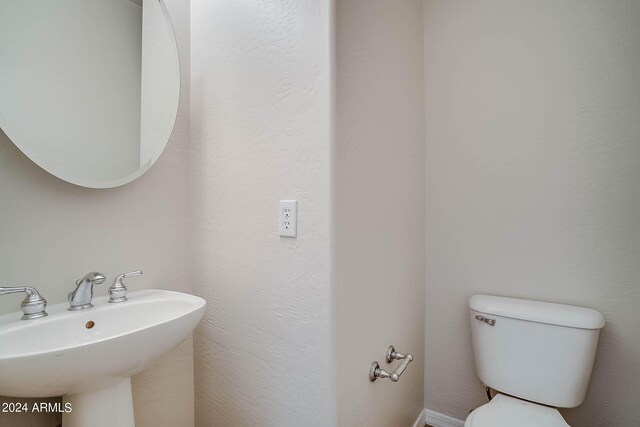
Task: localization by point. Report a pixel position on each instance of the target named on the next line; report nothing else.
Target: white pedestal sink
(89, 356)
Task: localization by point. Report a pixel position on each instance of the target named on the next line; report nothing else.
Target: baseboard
(421, 421)
(437, 419)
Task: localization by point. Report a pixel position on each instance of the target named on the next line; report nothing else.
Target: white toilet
(536, 355)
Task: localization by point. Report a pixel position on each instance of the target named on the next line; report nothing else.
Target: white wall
(379, 207)
(51, 233)
(533, 165)
(261, 132)
(73, 85)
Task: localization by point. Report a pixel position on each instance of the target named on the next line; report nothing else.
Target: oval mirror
(89, 89)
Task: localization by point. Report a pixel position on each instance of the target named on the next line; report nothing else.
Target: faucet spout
(81, 298)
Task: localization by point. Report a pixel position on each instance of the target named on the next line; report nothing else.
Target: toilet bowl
(507, 411)
(537, 355)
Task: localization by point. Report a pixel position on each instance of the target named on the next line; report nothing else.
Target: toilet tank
(537, 351)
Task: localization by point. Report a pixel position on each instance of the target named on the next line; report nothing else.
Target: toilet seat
(507, 411)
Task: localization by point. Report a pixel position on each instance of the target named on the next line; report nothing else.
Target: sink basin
(83, 352)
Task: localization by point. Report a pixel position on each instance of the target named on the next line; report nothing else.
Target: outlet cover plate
(288, 218)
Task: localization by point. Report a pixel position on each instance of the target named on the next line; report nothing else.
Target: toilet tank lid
(538, 311)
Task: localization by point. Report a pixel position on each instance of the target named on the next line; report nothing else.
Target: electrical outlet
(288, 218)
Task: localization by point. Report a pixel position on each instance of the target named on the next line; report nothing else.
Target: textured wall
(379, 207)
(52, 232)
(533, 165)
(260, 133)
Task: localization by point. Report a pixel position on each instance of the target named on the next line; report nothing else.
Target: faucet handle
(33, 306)
(118, 291)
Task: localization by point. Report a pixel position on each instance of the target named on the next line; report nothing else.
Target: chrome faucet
(80, 299)
(118, 291)
(33, 306)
